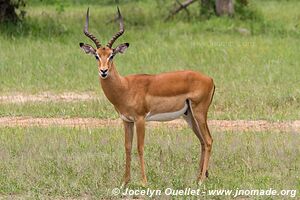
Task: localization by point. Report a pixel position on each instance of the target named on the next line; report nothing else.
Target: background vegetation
(254, 62)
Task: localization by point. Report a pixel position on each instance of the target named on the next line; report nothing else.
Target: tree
(210, 7)
(224, 7)
(8, 10)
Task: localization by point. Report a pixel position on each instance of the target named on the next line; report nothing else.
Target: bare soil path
(48, 97)
(222, 125)
(234, 125)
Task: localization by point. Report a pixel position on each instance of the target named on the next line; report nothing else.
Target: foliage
(12, 10)
(243, 9)
(80, 2)
(207, 8)
(247, 12)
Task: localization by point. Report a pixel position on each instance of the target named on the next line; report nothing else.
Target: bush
(247, 11)
(12, 10)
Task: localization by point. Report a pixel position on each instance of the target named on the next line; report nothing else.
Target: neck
(113, 86)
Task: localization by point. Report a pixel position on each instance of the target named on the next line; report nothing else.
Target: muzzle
(103, 73)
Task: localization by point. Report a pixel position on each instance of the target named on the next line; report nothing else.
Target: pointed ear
(88, 49)
(121, 48)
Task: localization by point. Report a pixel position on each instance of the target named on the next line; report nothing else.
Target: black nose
(103, 71)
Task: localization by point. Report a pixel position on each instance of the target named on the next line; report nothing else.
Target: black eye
(97, 58)
(111, 57)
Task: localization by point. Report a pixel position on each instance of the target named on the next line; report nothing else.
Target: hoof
(144, 183)
(125, 183)
(206, 174)
(199, 182)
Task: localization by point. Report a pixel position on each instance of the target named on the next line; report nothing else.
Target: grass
(98, 108)
(257, 76)
(75, 163)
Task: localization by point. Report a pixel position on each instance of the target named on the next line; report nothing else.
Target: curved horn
(118, 34)
(86, 32)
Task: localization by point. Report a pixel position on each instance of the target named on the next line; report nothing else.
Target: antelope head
(104, 54)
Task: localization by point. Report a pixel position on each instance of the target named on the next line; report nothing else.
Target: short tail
(212, 94)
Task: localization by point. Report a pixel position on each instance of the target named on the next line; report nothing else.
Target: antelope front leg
(128, 126)
(140, 130)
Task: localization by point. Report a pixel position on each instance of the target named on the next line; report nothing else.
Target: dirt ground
(220, 125)
(47, 97)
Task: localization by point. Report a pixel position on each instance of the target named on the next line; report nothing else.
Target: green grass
(257, 76)
(97, 108)
(62, 162)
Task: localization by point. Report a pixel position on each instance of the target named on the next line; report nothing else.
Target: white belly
(168, 116)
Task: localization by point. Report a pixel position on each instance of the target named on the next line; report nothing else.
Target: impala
(162, 97)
